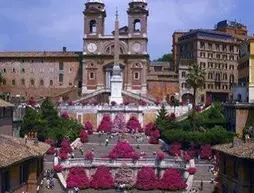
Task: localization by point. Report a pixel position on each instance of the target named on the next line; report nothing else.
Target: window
(136, 75)
(23, 70)
(217, 47)
(224, 47)
(225, 77)
(231, 48)
(13, 82)
(70, 84)
(210, 46)
(92, 25)
(5, 181)
(91, 75)
(4, 70)
(70, 70)
(218, 56)
(183, 85)
(224, 57)
(23, 173)
(32, 82)
(61, 66)
(183, 74)
(137, 25)
(231, 57)
(231, 78)
(13, 70)
(4, 82)
(41, 82)
(60, 77)
(202, 44)
(22, 81)
(51, 82)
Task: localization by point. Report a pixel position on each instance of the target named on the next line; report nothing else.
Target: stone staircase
(91, 95)
(145, 98)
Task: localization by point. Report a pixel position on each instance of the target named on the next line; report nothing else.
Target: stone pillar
(84, 79)
(107, 80)
(100, 75)
(129, 75)
(32, 177)
(144, 79)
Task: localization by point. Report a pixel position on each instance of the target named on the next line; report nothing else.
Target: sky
(39, 25)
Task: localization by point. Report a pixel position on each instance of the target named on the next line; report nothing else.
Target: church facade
(40, 74)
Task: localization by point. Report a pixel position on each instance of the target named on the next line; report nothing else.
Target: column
(144, 79)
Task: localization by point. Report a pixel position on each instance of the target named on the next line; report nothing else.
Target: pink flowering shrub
(148, 128)
(89, 155)
(65, 115)
(172, 116)
(192, 170)
(119, 123)
(51, 150)
(89, 127)
(186, 157)
(122, 150)
(172, 181)
(65, 146)
(58, 168)
(154, 136)
(133, 125)
(31, 102)
(136, 156)
(192, 152)
(83, 136)
(63, 155)
(77, 178)
(206, 152)
(126, 102)
(52, 144)
(142, 103)
(102, 179)
(106, 124)
(146, 179)
(70, 103)
(175, 149)
(125, 175)
(157, 103)
(160, 156)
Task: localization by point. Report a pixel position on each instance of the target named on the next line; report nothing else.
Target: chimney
(64, 49)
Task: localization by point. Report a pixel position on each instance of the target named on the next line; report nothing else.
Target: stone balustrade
(81, 162)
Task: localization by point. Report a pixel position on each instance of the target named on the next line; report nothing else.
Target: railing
(81, 162)
(139, 96)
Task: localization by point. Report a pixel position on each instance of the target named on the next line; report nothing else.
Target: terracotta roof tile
(13, 150)
(5, 104)
(39, 54)
(243, 150)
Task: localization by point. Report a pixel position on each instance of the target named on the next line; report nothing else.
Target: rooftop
(241, 150)
(13, 150)
(5, 104)
(38, 54)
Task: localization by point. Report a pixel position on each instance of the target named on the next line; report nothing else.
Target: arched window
(183, 74)
(121, 50)
(92, 25)
(51, 82)
(13, 82)
(217, 78)
(137, 25)
(41, 82)
(183, 85)
(225, 77)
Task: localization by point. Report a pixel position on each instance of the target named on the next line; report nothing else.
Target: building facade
(6, 118)
(39, 74)
(232, 27)
(217, 53)
(21, 165)
(246, 71)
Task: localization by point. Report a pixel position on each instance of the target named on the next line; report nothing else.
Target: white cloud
(63, 19)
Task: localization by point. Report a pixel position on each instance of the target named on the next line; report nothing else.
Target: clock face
(91, 47)
(136, 47)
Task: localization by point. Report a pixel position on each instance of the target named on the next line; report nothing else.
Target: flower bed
(83, 136)
(192, 170)
(119, 123)
(172, 181)
(133, 125)
(175, 149)
(106, 124)
(89, 127)
(102, 179)
(122, 150)
(206, 152)
(77, 178)
(146, 179)
(58, 168)
(89, 155)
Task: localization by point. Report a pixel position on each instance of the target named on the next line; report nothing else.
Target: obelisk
(116, 79)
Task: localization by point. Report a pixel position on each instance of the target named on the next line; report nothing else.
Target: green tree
(162, 119)
(166, 58)
(49, 112)
(195, 78)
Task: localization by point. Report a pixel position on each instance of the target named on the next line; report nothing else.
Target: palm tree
(195, 78)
